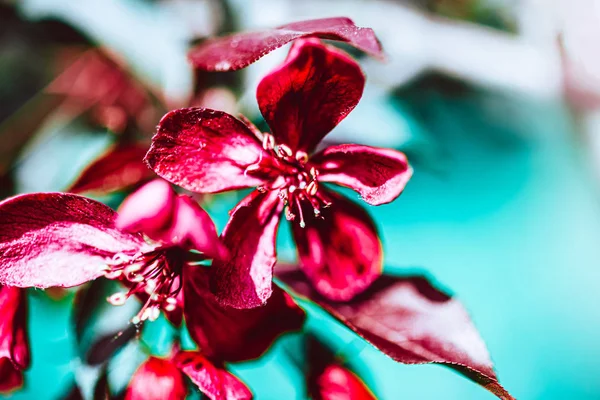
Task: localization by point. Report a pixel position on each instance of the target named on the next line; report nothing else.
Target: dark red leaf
(244, 279)
(204, 151)
(212, 380)
(309, 94)
(73, 393)
(378, 175)
(57, 239)
(229, 334)
(412, 322)
(102, 388)
(239, 50)
(101, 329)
(157, 379)
(339, 250)
(107, 345)
(119, 168)
(14, 342)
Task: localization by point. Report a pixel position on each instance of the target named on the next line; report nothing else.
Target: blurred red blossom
(45, 235)
(91, 82)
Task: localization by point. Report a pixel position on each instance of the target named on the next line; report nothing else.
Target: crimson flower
(14, 346)
(55, 239)
(209, 151)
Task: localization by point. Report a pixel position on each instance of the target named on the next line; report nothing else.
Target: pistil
(290, 174)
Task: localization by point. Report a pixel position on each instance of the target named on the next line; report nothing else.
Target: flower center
(154, 276)
(292, 176)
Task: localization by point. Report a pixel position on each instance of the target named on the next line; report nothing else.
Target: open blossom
(209, 151)
(14, 343)
(56, 239)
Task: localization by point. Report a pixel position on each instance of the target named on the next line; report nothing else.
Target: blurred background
(496, 103)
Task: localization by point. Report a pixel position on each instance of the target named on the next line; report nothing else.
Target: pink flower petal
(307, 96)
(378, 175)
(204, 151)
(193, 227)
(56, 239)
(339, 383)
(412, 322)
(212, 380)
(149, 210)
(119, 168)
(244, 279)
(229, 334)
(14, 342)
(339, 251)
(158, 212)
(239, 50)
(327, 379)
(157, 379)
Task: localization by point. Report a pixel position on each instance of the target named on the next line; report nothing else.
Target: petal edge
(244, 280)
(378, 175)
(58, 239)
(204, 151)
